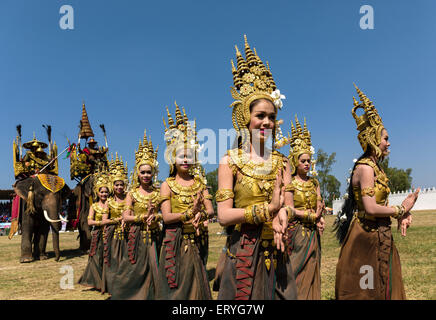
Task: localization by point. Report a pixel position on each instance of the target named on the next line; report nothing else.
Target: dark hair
(341, 226)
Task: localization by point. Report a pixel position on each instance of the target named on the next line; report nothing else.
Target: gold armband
(139, 218)
(224, 194)
(369, 191)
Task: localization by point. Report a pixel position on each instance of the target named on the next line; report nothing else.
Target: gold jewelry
(224, 194)
(369, 124)
(248, 215)
(368, 191)
(291, 213)
(399, 211)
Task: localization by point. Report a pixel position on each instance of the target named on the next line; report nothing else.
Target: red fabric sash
(244, 274)
(170, 255)
(15, 207)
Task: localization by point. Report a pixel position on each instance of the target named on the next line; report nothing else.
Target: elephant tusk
(48, 219)
(63, 219)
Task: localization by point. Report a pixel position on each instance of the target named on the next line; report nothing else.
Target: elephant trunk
(30, 207)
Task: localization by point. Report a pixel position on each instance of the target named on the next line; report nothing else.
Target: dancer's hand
(410, 200)
(279, 225)
(277, 199)
(320, 225)
(198, 202)
(404, 223)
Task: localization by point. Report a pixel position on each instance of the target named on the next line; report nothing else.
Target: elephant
(78, 210)
(43, 195)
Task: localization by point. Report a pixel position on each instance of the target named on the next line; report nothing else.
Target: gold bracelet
(313, 218)
(267, 214)
(248, 215)
(305, 216)
(397, 212)
(291, 213)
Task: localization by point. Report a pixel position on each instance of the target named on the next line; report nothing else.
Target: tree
(329, 185)
(399, 179)
(212, 182)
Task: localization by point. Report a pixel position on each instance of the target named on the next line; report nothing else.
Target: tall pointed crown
(146, 153)
(180, 131)
(85, 126)
(118, 170)
(300, 142)
(369, 124)
(252, 80)
(102, 179)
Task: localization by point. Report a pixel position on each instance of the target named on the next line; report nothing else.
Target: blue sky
(129, 59)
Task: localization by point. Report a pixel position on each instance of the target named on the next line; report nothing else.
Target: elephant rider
(94, 154)
(35, 159)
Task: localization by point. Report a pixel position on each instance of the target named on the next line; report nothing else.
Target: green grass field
(41, 279)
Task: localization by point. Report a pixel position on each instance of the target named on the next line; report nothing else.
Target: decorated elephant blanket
(51, 182)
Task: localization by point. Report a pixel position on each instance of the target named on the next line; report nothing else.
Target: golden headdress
(145, 154)
(102, 179)
(369, 124)
(252, 81)
(301, 143)
(118, 170)
(180, 134)
(34, 143)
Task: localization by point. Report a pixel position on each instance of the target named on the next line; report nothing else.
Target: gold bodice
(116, 208)
(305, 195)
(381, 188)
(98, 211)
(140, 201)
(254, 182)
(182, 197)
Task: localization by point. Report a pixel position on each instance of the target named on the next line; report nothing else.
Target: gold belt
(188, 228)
